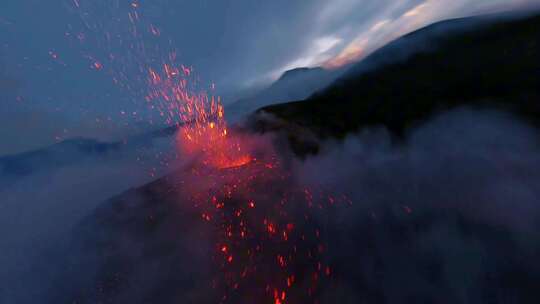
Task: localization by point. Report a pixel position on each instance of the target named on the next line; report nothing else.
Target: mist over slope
(47, 192)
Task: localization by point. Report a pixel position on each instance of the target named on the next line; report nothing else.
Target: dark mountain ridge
(73, 150)
(478, 62)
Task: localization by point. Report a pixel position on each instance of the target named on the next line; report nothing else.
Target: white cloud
(379, 25)
(321, 50)
(348, 30)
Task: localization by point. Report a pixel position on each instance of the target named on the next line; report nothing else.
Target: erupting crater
(269, 243)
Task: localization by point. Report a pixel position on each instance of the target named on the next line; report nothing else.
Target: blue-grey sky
(50, 90)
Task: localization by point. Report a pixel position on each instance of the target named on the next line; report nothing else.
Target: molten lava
(214, 146)
(204, 129)
(268, 240)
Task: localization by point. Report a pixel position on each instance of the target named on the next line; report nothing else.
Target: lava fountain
(270, 244)
(203, 129)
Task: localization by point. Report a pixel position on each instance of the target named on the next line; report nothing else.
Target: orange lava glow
(204, 130)
(213, 144)
(269, 247)
(265, 247)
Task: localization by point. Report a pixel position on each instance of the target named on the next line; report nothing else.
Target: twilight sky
(48, 85)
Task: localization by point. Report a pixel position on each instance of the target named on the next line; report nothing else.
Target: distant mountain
(487, 61)
(57, 155)
(294, 84)
(72, 151)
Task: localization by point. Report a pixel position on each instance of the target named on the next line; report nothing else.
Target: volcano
(248, 230)
(240, 242)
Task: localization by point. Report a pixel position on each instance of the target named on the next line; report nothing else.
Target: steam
(39, 211)
(452, 215)
(449, 215)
